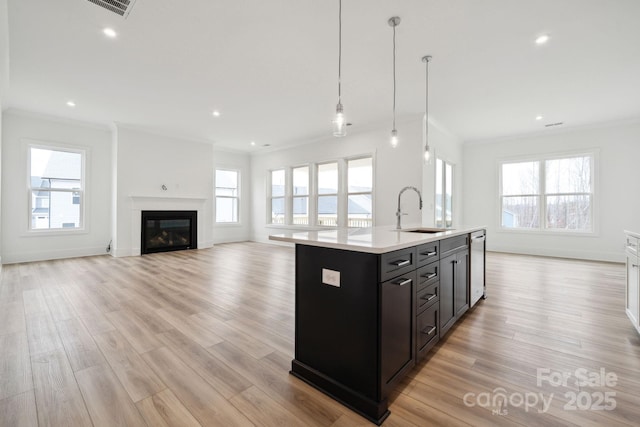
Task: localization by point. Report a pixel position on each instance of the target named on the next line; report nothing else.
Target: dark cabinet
(461, 283)
(447, 299)
(363, 320)
(396, 329)
(454, 281)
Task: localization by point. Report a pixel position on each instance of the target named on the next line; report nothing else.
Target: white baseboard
(561, 253)
(13, 258)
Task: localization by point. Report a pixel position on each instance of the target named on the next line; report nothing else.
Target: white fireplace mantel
(141, 203)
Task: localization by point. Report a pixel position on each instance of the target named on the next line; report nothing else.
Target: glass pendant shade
(394, 138)
(428, 155)
(425, 120)
(339, 123)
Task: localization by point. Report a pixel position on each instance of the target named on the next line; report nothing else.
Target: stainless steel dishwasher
(478, 288)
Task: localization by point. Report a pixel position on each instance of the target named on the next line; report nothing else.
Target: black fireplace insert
(164, 231)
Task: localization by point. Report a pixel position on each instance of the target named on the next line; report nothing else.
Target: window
(301, 195)
(444, 194)
(554, 194)
(328, 194)
(227, 196)
(360, 192)
(56, 188)
(278, 196)
(335, 193)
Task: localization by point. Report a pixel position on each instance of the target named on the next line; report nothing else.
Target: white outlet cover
(331, 277)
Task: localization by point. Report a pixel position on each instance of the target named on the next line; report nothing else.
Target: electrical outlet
(331, 277)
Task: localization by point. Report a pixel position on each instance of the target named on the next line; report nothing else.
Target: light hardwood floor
(206, 338)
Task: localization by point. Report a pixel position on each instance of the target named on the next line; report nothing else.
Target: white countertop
(376, 240)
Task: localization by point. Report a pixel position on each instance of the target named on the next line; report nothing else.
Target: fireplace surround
(164, 231)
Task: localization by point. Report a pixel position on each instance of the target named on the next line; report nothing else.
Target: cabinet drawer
(395, 263)
(427, 327)
(454, 243)
(428, 296)
(428, 252)
(428, 274)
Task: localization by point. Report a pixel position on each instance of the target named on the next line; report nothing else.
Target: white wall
(18, 244)
(144, 163)
(4, 83)
(617, 190)
(242, 163)
(393, 169)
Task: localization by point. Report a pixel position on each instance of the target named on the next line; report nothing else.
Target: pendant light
(339, 122)
(425, 124)
(394, 22)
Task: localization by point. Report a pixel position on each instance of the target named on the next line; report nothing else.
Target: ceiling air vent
(121, 7)
(549, 125)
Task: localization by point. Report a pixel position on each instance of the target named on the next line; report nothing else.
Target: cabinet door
(447, 302)
(632, 288)
(397, 320)
(461, 286)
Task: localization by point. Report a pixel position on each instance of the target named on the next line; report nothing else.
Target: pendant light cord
(394, 76)
(339, 51)
(426, 105)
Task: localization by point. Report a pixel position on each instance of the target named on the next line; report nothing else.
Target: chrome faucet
(399, 212)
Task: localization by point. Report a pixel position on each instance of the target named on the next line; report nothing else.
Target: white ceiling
(270, 67)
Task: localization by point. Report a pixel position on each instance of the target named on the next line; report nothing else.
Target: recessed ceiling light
(542, 39)
(216, 113)
(253, 143)
(539, 117)
(110, 32)
(71, 104)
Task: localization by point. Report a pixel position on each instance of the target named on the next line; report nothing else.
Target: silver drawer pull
(429, 297)
(634, 265)
(430, 253)
(401, 263)
(430, 275)
(430, 331)
(403, 282)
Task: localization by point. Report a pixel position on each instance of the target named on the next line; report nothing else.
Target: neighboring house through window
(227, 196)
(56, 188)
(334, 193)
(277, 199)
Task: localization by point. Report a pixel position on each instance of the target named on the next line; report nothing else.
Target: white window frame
(443, 192)
(542, 194)
(343, 194)
(237, 198)
(285, 197)
(294, 196)
(83, 152)
(358, 193)
(317, 195)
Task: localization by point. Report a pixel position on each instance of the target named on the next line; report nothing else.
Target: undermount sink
(426, 230)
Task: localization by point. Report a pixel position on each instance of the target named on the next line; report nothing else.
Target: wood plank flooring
(206, 338)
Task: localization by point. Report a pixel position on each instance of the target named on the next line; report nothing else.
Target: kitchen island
(370, 304)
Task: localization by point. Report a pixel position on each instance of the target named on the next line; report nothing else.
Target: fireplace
(164, 231)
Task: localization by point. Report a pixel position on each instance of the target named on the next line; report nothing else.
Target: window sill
(300, 227)
(55, 232)
(228, 224)
(559, 233)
